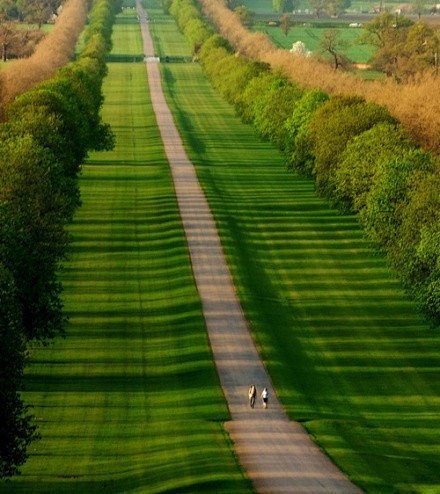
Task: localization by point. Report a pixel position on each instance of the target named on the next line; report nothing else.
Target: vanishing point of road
(277, 454)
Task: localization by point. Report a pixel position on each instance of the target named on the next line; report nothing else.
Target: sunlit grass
(130, 400)
(311, 36)
(349, 355)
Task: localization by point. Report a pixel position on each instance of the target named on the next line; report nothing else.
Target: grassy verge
(130, 400)
(348, 354)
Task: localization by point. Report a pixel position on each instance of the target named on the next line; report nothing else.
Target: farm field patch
(311, 37)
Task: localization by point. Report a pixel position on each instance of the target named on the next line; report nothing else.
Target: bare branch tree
(332, 44)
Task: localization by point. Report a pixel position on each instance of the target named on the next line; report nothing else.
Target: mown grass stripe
(348, 353)
(130, 400)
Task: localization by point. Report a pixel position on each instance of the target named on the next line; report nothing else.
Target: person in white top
(265, 396)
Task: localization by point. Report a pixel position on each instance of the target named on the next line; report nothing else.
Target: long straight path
(277, 454)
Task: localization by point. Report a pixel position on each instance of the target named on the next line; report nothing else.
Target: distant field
(311, 36)
(308, 28)
(357, 6)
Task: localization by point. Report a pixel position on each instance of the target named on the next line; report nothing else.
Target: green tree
(318, 6)
(334, 124)
(196, 33)
(183, 11)
(359, 162)
(419, 213)
(248, 101)
(274, 107)
(298, 150)
(277, 5)
(333, 45)
(16, 424)
(234, 74)
(385, 205)
(245, 15)
(335, 8)
(8, 34)
(60, 134)
(80, 85)
(32, 235)
(428, 252)
(418, 7)
(418, 52)
(8, 10)
(285, 5)
(386, 32)
(286, 23)
(38, 11)
(290, 5)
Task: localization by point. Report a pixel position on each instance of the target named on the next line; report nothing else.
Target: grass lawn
(311, 37)
(348, 354)
(129, 401)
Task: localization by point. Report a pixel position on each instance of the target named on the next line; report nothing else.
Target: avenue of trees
(358, 154)
(45, 136)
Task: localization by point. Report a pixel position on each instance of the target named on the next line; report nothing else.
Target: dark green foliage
(60, 132)
(401, 214)
(16, 428)
(410, 192)
(33, 238)
(427, 292)
(48, 134)
(416, 254)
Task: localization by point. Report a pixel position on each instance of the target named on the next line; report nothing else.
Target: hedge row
(357, 153)
(47, 135)
(52, 52)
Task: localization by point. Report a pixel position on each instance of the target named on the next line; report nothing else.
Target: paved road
(277, 454)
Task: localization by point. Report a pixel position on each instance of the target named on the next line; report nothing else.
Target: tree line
(358, 154)
(47, 133)
(412, 103)
(53, 51)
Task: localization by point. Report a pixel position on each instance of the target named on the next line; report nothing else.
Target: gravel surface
(277, 454)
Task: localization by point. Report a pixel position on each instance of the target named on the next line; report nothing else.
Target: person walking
(252, 395)
(265, 397)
